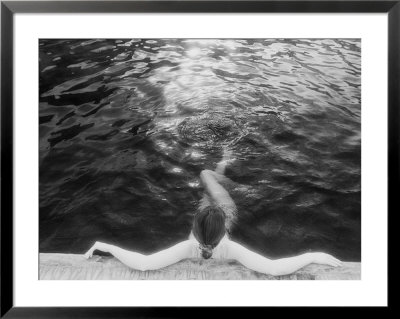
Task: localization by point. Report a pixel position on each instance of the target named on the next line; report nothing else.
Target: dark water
(124, 136)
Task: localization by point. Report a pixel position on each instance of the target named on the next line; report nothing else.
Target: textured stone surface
(77, 267)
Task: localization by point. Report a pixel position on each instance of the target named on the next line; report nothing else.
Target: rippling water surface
(126, 126)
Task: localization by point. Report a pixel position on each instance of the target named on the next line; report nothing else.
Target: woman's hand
(97, 246)
(325, 259)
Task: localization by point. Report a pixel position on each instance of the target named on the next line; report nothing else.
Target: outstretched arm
(215, 190)
(213, 180)
(226, 158)
(277, 267)
(142, 262)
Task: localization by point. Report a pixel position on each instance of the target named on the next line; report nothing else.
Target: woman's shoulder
(225, 242)
(192, 240)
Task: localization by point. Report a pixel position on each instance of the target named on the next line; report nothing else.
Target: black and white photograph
(200, 159)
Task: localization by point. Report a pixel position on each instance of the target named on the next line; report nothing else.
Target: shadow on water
(126, 126)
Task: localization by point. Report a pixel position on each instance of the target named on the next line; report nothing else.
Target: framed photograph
(161, 155)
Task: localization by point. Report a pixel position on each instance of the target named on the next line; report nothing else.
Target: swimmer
(209, 237)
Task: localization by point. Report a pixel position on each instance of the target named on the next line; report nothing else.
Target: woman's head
(208, 229)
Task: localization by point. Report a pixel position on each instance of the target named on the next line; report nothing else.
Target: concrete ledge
(77, 267)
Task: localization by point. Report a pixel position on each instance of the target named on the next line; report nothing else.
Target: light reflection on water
(123, 138)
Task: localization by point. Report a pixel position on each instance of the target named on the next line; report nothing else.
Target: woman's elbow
(140, 266)
(271, 271)
(275, 270)
(278, 271)
(148, 265)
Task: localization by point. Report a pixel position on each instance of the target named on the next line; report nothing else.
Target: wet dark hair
(209, 229)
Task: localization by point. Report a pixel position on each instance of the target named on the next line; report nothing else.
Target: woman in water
(209, 237)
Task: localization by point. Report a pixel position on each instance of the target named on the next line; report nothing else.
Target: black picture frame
(9, 8)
